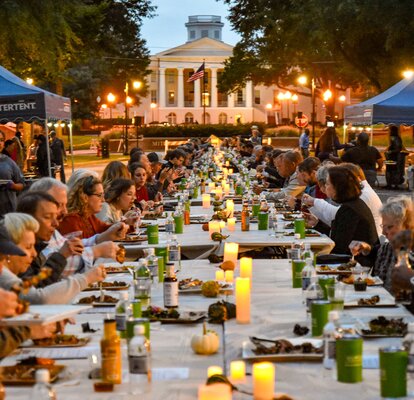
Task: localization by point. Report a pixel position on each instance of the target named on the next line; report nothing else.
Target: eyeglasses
(387, 227)
(99, 195)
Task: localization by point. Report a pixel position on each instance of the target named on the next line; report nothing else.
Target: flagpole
(203, 95)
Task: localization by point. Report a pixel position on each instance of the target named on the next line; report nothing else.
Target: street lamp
(153, 107)
(408, 74)
(303, 80)
(111, 99)
(29, 81)
(327, 95)
(128, 100)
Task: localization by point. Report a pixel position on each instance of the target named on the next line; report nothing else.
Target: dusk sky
(167, 29)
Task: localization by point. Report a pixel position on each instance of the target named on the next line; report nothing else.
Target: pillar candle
(220, 275)
(227, 163)
(218, 391)
(226, 189)
(206, 200)
(222, 224)
(263, 381)
(219, 192)
(231, 224)
(214, 370)
(230, 252)
(230, 206)
(229, 276)
(237, 371)
(243, 300)
(246, 268)
(210, 187)
(230, 171)
(213, 226)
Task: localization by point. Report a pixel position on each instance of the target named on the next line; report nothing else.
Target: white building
(172, 99)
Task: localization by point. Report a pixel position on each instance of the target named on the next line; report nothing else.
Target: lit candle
(222, 224)
(243, 300)
(237, 371)
(206, 200)
(231, 251)
(263, 381)
(223, 182)
(231, 224)
(210, 187)
(230, 171)
(214, 370)
(246, 268)
(218, 391)
(230, 207)
(219, 192)
(229, 276)
(219, 275)
(226, 189)
(213, 226)
(227, 163)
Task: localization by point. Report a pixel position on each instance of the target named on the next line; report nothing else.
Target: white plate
(249, 355)
(44, 314)
(351, 299)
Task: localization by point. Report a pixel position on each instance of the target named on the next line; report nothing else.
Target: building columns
(230, 100)
(180, 87)
(213, 87)
(162, 87)
(249, 94)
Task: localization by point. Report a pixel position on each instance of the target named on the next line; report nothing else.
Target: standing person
(328, 144)
(41, 156)
(394, 174)
(256, 137)
(10, 173)
(58, 154)
(304, 143)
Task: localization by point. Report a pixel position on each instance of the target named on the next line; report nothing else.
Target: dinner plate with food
(369, 280)
(382, 327)
(58, 340)
(336, 269)
(99, 301)
(173, 316)
(115, 285)
(358, 299)
(195, 286)
(283, 350)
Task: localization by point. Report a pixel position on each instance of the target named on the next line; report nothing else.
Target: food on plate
(57, 340)
(189, 283)
(121, 254)
(108, 285)
(346, 267)
(228, 265)
(371, 301)
(300, 330)
(350, 280)
(385, 326)
(283, 346)
(221, 311)
(36, 361)
(215, 259)
(210, 289)
(204, 227)
(154, 312)
(218, 237)
(115, 270)
(97, 299)
(207, 343)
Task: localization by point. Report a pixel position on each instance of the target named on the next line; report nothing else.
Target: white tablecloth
(276, 307)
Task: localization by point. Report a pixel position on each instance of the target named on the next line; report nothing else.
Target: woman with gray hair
(397, 215)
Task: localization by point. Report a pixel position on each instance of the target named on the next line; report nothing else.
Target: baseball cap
(7, 247)
(153, 158)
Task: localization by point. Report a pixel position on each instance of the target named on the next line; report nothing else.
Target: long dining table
(177, 372)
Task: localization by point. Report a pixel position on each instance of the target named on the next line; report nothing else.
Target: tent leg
(371, 136)
(71, 146)
(48, 148)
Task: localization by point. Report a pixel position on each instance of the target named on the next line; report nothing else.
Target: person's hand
(42, 331)
(166, 174)
(158, 197)
(356, 247)
(310, 220)
(105, 250)
(96, 274)
(8, 303)
(260, 168)
(72, 247)
(400, 278)
(307, 200)
(115, 232)
(130, 218)
(257, 189)
(144, 205)
(290, 201)
(150, 204)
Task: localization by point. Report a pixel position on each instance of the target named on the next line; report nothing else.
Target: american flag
(197, 75)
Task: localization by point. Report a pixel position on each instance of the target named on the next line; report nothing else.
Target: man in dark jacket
(58, 154)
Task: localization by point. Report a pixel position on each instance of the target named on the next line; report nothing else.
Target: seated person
(353, 220)
(84, 201)
(397, 215)
(119, 196)
(114, 170)
(21, 228)
(306, 172)
(13, 337)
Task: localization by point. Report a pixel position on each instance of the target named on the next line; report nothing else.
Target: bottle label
(330, 349)
(138, 364)
(305, 283)
(170, 294)
(120, 322)
(174, 255)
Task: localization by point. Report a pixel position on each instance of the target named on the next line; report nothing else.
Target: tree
(75, 47)
(342, 43)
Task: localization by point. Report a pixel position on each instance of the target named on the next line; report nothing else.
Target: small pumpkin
(228, 265)
(207, 343)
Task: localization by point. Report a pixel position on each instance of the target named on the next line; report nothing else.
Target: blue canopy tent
(20, 101)
(394, 106)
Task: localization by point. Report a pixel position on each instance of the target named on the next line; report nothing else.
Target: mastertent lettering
(18, 106)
